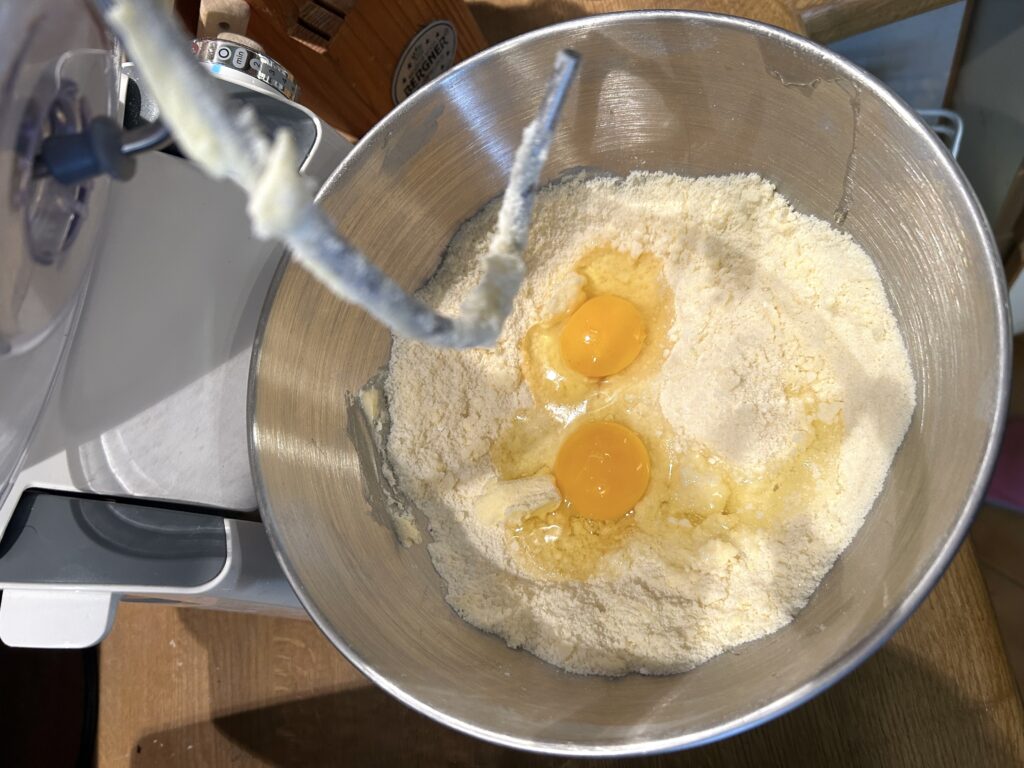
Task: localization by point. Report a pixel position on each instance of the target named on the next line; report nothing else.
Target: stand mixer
(128, 311)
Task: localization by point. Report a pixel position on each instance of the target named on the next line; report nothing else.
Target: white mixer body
(135, 482)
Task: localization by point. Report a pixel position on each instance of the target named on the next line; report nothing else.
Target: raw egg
(595, 425)
(602, 470)
(610, 336)
(603, 336)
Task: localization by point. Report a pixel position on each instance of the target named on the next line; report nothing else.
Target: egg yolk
(603, 336)
(602, 470)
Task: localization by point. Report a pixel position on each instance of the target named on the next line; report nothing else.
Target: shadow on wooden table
(846, 726)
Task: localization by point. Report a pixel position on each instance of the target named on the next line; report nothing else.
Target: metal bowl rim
(900, 611)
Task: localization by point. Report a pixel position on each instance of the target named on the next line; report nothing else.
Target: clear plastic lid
(58, 70)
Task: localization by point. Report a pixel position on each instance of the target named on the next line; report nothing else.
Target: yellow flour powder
(781, 325)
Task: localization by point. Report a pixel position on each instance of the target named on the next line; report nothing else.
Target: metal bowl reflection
(684, 92)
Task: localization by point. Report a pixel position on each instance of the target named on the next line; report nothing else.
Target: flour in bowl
(757, 391)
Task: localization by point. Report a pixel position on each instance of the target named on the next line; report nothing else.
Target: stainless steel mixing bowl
(684, 92)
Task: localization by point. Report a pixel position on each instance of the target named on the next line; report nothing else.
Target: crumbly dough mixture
(781, 324)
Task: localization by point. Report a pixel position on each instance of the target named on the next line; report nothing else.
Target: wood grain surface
(503, 19)
(828, 20)
(822, 20)
(343, 53)
(195, 687)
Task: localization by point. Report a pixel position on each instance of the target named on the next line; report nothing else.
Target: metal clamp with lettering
(247, 61)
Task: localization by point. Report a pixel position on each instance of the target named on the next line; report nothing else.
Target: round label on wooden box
(428, 54)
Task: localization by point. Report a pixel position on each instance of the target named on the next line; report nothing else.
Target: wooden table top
(190, 686)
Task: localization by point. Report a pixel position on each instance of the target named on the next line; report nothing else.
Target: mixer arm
(228, 143)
